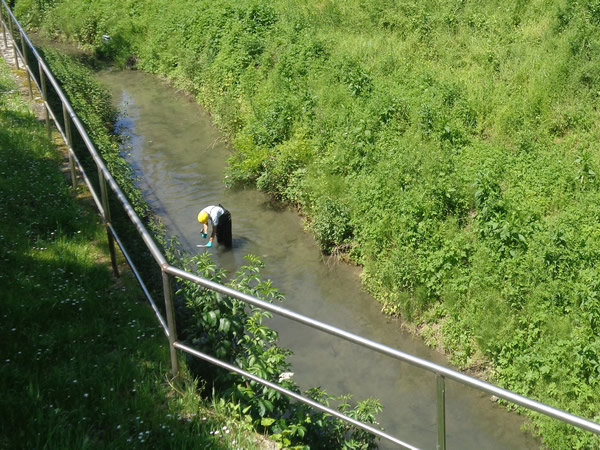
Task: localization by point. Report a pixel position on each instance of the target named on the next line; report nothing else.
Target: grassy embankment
(83, 361)
(450, 148)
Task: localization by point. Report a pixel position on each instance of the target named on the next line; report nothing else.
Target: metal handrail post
(12, 36)
(45, 99)
(69, 146)
(168, 293)
(26, 62)
(3, 29)
(107, 221)
(140, 281)
(441, 411)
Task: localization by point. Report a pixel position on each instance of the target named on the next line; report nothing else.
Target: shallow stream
(181, 158)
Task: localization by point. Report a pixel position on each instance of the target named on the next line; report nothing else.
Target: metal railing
(168, 271)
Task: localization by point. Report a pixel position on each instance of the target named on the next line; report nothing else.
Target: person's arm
(214, 232)
(204, 229)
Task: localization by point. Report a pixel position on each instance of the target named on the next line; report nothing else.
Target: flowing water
(181, 158)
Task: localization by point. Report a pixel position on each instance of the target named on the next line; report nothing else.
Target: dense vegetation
(450, 148)
(83, 357)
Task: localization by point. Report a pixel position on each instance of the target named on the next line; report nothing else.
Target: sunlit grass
(83, 361)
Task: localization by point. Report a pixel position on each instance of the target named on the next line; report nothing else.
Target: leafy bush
(331, 224)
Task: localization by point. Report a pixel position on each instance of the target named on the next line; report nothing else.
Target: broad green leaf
(267, 421)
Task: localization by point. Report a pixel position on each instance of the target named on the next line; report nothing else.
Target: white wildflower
(285, 376)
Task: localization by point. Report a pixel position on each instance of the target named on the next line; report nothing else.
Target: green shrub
(331, 224)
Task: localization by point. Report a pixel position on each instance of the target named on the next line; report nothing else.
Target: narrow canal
(181, 158)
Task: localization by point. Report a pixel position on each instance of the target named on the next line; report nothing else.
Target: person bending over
(220, 219)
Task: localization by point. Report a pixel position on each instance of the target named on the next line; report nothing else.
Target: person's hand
(204, 235)
(209, 244)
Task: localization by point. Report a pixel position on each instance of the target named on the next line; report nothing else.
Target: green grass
(83, 361)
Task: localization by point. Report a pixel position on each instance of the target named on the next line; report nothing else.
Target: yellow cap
(202, 217)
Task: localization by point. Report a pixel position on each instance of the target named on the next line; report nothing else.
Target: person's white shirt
(214, 212)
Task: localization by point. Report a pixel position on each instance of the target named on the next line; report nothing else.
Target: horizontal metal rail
(86, 179)
(168, 326)
(140, 281)
(392, 352)
(292, 394)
